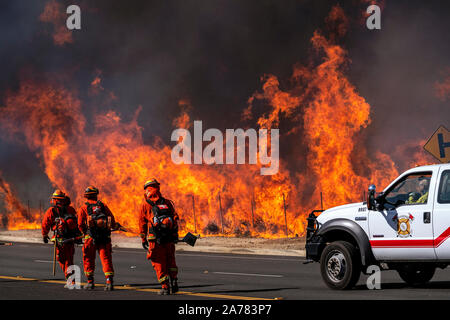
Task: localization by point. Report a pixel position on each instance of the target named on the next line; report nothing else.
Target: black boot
(90, 284)
(109, 284)
(66, 286)
(174, 285)
(164, 291)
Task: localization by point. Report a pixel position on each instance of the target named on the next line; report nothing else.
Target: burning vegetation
(322, 109)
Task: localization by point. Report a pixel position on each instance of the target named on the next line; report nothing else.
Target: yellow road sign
(439, 145)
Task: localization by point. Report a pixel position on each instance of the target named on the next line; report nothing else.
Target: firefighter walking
(158, 224)
(95, 221)
(61, 218)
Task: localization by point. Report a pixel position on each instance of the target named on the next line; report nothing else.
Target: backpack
(65, 223)
(164, 226)
(99, 223)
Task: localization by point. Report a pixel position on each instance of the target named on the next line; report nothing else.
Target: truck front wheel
(416, 275)
(340, 265)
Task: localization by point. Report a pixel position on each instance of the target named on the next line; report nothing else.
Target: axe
(72, 239)
(190, 239)
(119, 227)
(54, 257)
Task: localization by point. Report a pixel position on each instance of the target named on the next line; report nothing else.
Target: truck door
(402, 230)
(441, 216)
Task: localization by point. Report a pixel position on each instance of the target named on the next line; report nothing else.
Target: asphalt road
(202, 276)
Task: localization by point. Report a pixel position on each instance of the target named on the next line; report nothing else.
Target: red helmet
(90, 191)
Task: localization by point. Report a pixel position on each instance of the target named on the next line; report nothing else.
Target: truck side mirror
(371, 197)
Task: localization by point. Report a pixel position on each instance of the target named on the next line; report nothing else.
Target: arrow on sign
(442, 145)
(439, 145)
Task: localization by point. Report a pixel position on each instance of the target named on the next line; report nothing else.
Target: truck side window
(410, 190)
(444, 188)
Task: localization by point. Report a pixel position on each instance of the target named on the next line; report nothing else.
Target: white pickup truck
(406, 228)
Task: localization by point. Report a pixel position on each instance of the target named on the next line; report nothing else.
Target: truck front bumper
(314, 243)
(314, 248)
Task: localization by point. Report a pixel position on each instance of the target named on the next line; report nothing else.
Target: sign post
(439, 145)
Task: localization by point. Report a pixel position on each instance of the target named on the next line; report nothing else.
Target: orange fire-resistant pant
(163, 261)
(105, 252)
(64, 256)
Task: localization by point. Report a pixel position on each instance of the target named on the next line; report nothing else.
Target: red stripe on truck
(412, 243)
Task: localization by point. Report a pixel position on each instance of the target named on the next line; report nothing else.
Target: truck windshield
(410, 190)
(444, 188)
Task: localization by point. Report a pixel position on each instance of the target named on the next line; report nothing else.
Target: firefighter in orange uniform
(61, 218)
(158, 224)
(96, 221)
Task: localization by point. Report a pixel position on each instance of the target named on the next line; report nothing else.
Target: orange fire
(16, 217)
(325, 111)
(333, 114)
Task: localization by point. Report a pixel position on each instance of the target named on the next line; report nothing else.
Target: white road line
(251, 274)
(299, 259)
(43, 261)
(237, 257)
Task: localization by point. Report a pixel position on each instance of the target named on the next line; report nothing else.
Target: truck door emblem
(404, 226)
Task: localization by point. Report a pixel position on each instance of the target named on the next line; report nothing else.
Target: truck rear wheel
(340, 265)
(416, 275)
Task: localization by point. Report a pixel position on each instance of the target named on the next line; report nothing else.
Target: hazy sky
(213, 53)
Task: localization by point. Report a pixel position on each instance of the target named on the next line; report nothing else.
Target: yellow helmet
(58, 195)
(152, 182)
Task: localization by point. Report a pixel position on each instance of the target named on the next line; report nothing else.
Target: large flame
(326, 116)
(16, 216)
(333, 115)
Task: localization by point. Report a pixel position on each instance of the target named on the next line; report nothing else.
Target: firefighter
(158, 224)
(421, 196)
(61, 218)
(96, 221)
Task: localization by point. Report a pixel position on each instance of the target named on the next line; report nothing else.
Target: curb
(181, 247)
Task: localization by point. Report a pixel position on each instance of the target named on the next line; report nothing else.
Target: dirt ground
(239, 245)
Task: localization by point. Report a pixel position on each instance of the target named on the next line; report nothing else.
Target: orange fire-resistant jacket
(50, 216)
(83, 216)
(148, 226)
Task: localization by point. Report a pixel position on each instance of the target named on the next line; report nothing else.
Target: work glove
(414, 196)
(156, 221)
(145, 244)
(45, 239)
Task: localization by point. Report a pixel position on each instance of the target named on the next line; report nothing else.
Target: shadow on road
(202, 285)
(249, 291)
(153, 284)
(393, 286)
(158, 286)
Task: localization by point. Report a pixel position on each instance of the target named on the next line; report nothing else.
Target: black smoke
(214, 53)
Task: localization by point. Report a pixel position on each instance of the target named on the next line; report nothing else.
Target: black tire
(340, 265)
(416, 275)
